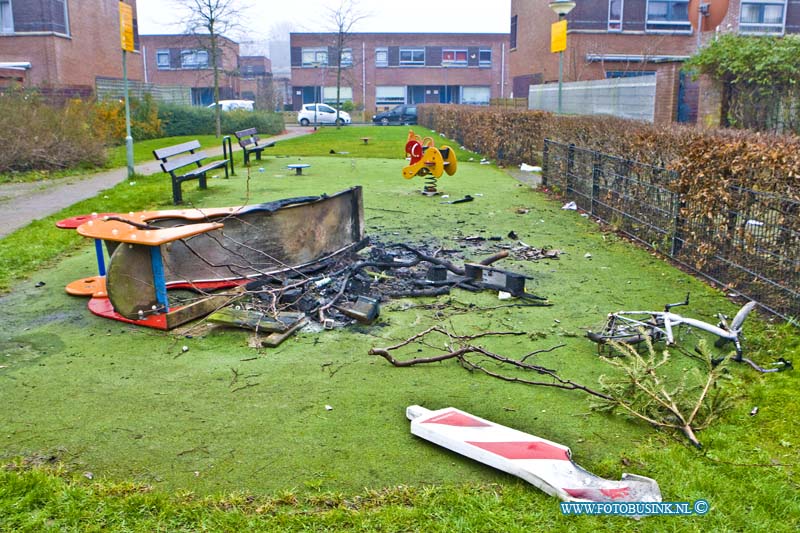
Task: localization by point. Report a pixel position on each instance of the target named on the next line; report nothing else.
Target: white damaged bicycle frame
(632, 327)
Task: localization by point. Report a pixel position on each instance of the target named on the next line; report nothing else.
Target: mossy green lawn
(130, 406)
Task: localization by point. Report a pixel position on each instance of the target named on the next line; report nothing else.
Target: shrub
(108, 119)
(760, 77)
(36, 136)
(707, 161)
(188, 120)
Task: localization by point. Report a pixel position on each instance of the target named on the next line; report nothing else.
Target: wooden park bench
(249, 141)
(175, 158)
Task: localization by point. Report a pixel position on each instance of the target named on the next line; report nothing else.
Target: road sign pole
(128, 138)
(128, 45)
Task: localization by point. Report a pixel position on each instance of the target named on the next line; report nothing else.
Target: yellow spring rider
(428, 161)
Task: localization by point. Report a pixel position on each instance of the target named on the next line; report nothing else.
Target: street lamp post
(561, 8)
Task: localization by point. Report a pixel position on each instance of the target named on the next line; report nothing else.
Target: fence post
(677, 233)
(597, 162)
(545, 159)
(570, 168)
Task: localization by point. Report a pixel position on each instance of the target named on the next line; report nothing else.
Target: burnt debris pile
(350, 288)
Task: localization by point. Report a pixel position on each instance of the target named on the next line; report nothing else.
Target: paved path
(22, 203)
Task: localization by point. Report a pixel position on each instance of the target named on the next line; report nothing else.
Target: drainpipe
(364, 76)
(144, 62)
(503, 70)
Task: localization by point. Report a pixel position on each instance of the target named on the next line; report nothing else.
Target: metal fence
(751, 244)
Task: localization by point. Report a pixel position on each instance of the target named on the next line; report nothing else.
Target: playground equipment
(154, 252)
(428, 161)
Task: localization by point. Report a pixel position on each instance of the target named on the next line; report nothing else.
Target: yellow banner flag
(126, 26)
(558, 36)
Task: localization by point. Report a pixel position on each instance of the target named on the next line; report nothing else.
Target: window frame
(484, 63)
(390, 100)
(486, 91)
(160, 53)
(382, 51)
(615, 24)
(196, 64)
(343, 55)
(329, 95)
(320, 56)
(412, 62)
(512, 38)
(7, 27)
(669, 25)
(756, 28)
(455, 62)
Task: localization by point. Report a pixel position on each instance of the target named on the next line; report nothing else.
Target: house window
(329, 95)
(485, 58)
(451, 57)
(628, 73)
(6, 21)
(346, 57)
(381, 57)
(390, 95)
(60, 17)
(475, 95)
(513, 32)
(315, 57)
(762, 16)
(668, 15)
(412, 56)
(194, 59)
(615, 15)
(162, 59)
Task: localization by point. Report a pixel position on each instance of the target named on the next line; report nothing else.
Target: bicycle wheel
(624, 331)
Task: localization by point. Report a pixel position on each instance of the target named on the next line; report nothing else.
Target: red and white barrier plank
(542, 463)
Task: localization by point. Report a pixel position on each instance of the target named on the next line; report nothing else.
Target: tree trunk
(215, 68)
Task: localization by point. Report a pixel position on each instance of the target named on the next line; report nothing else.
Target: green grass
(387, 142)
(173, 442)
(143, 150)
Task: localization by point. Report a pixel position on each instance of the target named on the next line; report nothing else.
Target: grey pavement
(22, 203)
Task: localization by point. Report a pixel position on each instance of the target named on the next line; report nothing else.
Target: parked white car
(320, 114)
(230, 105)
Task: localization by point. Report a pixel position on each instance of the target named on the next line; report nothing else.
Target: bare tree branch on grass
(639, 391)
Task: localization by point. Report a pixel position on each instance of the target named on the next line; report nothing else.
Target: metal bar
(159, 281)
(101, 260)
(227, 153)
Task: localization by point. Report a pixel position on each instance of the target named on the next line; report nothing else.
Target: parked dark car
(402, 114)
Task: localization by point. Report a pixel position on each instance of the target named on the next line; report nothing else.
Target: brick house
(625, 38)
(184, 60)
(63, 45)
(381, 70)
(255, 73)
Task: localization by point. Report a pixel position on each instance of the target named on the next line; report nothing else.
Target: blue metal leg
(101, 260)
(158, 277)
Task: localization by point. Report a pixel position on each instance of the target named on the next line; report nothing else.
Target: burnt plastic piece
(365, 309)
(494, 278)
(437, 273)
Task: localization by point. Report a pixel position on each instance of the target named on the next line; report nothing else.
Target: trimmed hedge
(707, 161)
(185, 120)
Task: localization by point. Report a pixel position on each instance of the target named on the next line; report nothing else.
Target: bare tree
(210, 20)
(343, 18)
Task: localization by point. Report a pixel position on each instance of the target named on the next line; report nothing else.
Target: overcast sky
(264, 16)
